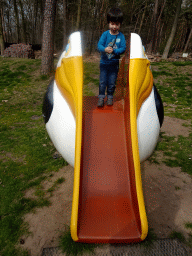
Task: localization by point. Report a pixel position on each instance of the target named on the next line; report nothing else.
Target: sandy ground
(167, 208)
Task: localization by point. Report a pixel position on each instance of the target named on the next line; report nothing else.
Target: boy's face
(114, 27)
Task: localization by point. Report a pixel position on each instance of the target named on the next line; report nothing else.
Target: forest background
(165, 26)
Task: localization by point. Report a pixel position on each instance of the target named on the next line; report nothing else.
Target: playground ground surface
(166, 176)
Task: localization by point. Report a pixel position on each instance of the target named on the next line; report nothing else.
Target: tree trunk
(2, 43)
(64, 23)
(188, 40)
(162, 9)
(17, 20)
(8, 27)
(23, 23)
(47, 65)
(132, 11)
(94, 24)
(160, 36)
(151, 45)
(78, 23)
(180, 37)
(170, 40)
(136, 23)
(35, 6)
(142, 19)
(157, 38)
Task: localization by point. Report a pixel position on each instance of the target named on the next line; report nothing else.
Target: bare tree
(47, 65)
(64, 22)
(35, 8)
(16, 20)
(153, 28)
(23, 22)
(78, 23)
(188, 40)
(2, 43)
(143, 16)
(93, 27)
(174, 27)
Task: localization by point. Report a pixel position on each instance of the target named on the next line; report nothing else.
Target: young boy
(111, 44)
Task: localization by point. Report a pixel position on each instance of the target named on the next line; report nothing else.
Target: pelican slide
(105, 145)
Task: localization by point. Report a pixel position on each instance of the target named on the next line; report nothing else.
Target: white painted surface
(73, 47)
(61, 127)
(136, 47)
(148, 127)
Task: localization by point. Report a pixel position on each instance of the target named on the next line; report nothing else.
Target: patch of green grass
(26, 150)
(56, 183)
(149, 240)
(158, 64)
(91, 73)
(161, 73)
(182, 63)
(60, 180)
(188, 225)
(176, 94)
(44, 77)
(177, 235)
(21, 68)
(189, 242)
(90, 77)
(177, 151)
(87, 91)
(181, 238)
(175, 89)
(153, 158)
(39, 191)
(70, 247)
(10, 79)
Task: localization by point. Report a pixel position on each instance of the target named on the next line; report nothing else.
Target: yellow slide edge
(69, 78)
(140, 86)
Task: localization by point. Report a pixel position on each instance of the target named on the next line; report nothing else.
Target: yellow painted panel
(69, 77)
(139, 88)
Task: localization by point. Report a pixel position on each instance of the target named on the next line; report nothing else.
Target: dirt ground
(167, 208)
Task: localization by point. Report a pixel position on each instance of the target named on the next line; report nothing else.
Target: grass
(177, 235)
(182, 63)
(177, 151)
(91, 73)
(174, 83)
(26, 150)
(56, 183)
(149, 240)
(27, 154)
(69, 247)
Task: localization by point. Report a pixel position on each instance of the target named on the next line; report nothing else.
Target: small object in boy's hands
(100, 102)
(109, 102)
(109, 49)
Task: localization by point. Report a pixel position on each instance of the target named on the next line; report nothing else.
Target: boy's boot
(100, 102)
(109, 102)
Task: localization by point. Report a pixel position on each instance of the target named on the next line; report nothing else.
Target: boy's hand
(109, 49)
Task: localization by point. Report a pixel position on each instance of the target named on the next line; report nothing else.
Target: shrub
(19, 51)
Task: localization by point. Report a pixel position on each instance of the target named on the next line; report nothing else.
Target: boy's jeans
(108, 77)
